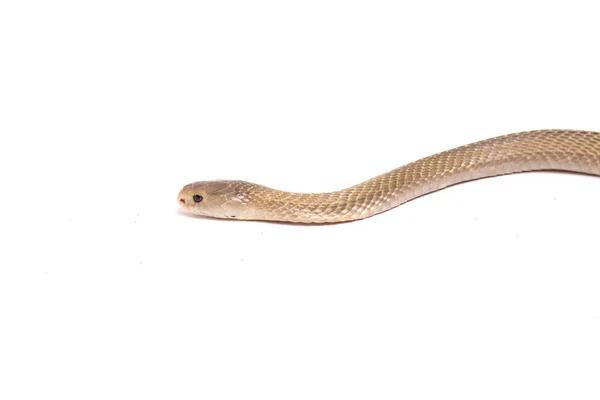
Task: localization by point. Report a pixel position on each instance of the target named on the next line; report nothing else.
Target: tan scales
(565, 150)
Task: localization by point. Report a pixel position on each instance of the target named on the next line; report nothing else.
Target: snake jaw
(233, 207)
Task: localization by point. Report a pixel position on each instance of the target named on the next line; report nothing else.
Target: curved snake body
(566, 150)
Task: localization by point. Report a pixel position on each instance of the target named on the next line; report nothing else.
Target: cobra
(564, 150)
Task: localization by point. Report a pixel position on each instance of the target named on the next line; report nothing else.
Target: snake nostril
(182, 200)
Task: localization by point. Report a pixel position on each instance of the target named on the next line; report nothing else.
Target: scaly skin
(565, 150)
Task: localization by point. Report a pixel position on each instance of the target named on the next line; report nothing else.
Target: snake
(549, 149)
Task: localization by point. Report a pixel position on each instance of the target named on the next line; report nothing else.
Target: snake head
(217, 199)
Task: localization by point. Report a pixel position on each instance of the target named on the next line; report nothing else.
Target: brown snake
(565, 150)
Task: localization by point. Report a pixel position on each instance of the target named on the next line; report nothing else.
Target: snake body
(565, 150)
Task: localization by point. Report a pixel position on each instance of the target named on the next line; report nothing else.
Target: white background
(489, 289)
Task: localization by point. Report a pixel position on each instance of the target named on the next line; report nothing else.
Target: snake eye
(197, 198)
